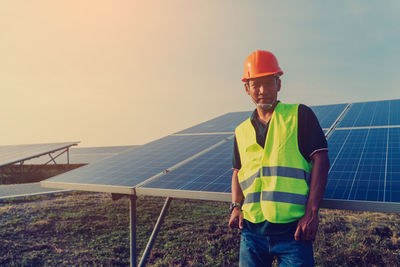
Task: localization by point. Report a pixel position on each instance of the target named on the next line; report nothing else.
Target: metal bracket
(53, 158)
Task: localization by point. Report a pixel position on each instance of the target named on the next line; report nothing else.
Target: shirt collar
(254, 115)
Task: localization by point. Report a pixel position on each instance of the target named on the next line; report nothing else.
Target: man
(280, 164)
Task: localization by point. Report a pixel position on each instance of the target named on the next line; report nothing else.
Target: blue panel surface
(394, 112)
(327, 114)
(140, 163)
(393, 166)
(379, 113)
(359, 165)
(210, 172)
(224, 123)
(93, 154)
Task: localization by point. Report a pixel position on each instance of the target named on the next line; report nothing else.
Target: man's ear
(278, 85)
(246, 88)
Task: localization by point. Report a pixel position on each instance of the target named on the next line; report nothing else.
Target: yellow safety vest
(274, 179)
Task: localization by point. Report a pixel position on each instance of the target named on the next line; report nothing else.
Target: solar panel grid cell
(379, 113)
(341, 170)
(370, 175)
(358, 164)
(394, 112)
(350, 117)
(367, 114)
(393, 166)
(327, 114)
(211, 171)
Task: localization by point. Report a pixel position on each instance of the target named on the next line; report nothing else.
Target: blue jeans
(259, 250)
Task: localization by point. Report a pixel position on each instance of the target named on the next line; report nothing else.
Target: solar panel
(224, 123)
(138, 164)
(365, 162)
(11, 154)
(378, 113)
(327, 114)
(363, 165)
(211, 172)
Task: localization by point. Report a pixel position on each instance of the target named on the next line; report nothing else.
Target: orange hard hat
(261, 63)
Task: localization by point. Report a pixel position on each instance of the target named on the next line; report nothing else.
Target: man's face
(263, 90)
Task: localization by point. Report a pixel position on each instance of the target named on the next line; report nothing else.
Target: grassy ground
(89, 229)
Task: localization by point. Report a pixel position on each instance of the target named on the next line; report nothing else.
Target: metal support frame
(150, 243)
(336, 122)
(21, 161)
(153, 236)
(21, 170)
(53, 158)
(132, 219)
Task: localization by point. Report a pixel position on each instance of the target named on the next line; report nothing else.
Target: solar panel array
(364, 151)
(11, 154)
(134, 166)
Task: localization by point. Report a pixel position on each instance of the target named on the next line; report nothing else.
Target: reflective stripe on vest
(277, 171)
(276, 196)
(274, 179)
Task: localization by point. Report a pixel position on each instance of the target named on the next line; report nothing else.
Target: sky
(109, 73)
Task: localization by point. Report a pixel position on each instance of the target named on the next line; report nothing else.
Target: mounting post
(153, 236)
(132, 209)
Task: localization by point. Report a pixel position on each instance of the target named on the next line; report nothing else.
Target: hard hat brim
(279, 73)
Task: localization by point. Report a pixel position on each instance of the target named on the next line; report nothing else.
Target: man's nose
(263, 89)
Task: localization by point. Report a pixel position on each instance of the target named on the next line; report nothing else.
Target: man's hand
(236, 220)
(307, 227)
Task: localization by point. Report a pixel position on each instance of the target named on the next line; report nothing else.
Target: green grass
(90, 229)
